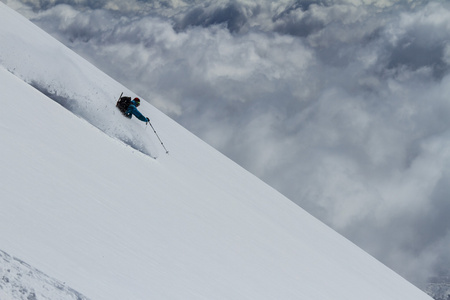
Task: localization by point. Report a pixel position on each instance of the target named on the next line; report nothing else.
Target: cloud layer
(340, 105)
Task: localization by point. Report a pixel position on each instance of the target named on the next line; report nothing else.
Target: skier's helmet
(137, 101)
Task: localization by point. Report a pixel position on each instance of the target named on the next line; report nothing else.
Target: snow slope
(20, 281)
(83, 202)
(67, 78)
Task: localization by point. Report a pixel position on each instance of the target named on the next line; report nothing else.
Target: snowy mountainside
(69, 80)
(439, 287)
(82, 206)
(20, 281)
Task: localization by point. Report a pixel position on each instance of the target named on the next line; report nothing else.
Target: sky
(342, 106)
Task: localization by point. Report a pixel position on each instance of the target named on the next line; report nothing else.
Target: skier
(128, 108)
(132, 110)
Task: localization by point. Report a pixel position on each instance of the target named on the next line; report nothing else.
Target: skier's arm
(138, 114)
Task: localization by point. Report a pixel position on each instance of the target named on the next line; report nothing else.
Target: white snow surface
(20, 281)
(82, 201)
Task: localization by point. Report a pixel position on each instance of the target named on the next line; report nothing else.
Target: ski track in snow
(108, 119)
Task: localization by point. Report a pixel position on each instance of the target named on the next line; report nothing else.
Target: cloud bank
(343, 106)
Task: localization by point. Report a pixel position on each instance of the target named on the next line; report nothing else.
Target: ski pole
(167, 152)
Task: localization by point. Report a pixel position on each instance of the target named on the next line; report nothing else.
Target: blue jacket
(132, 110)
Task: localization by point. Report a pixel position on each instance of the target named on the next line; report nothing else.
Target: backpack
(123, 103)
